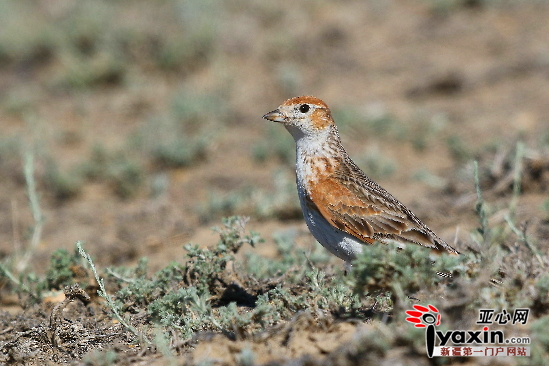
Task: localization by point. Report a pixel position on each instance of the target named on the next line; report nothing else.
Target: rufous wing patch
(361, 218)
(338, 206)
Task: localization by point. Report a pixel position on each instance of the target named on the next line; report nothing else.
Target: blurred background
(140, 121)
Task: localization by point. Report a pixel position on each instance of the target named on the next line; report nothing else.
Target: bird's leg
(347, 268)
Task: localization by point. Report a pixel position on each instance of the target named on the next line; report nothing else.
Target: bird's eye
(304, 108)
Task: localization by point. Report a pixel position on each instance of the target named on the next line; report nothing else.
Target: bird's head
(303, 116)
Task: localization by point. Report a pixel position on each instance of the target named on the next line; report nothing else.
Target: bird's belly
(337, 242)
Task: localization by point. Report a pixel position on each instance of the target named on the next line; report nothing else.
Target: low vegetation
(214, 291)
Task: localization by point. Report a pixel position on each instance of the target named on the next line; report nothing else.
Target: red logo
(423, 316)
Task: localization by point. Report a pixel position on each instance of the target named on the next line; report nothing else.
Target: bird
(344, 209)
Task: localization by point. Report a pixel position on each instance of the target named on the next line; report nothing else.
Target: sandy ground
(456, 81)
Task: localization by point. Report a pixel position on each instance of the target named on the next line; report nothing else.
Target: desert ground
(134, 129)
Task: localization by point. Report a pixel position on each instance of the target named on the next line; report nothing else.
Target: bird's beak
(275, 116)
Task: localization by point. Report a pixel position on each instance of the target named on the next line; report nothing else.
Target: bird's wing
(363, 209)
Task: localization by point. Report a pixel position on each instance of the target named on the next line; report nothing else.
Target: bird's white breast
(336, 241)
